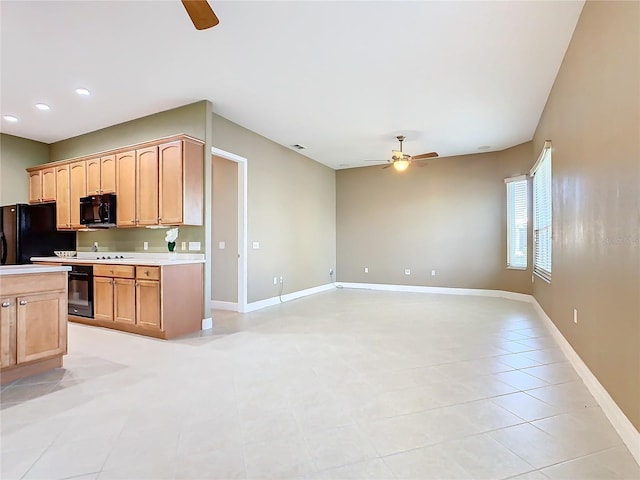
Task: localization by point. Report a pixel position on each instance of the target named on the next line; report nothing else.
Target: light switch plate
(407, 271)
(184, 246)
(221, 245)
(256, 245)
(194, 245)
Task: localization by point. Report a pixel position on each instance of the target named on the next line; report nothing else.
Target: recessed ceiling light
(42, 106)
(10, 118)
(83, 91)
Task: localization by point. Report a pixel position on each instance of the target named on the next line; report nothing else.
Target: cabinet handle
(6, 304)
(111, 272)
(22, 302)
(146, 272)
(133, 221)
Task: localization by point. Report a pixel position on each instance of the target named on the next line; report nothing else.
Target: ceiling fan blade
(201, 14)
(425, 155)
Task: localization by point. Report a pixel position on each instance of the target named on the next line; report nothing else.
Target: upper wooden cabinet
(147, 186)
(126, 188)
(77, 190)
(157, 183)
(42, 185)
(101, 175)
(180, 183)
(63, 211)
(161, 185)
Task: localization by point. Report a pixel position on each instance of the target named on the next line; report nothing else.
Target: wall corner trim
(630, 436)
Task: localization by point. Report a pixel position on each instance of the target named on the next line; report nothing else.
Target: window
(517, 221)
(541, 172)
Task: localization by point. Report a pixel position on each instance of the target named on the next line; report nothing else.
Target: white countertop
(29, 269)
(149, 259)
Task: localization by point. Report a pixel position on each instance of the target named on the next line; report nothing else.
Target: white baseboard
(630, 436)
(268, 302)
(220, 305)
(522, 297)
(207, 323)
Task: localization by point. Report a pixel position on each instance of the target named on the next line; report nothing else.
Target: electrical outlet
(145, 245)
(407, 271)
(221, 245)
(183, 246)
(281, 280)
(433, 273)
(256, 245)
(331, 271)
(575, 315)
(366, 269)
(275, 280)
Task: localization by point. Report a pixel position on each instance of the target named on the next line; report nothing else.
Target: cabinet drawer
(148, 273)
(121, 271)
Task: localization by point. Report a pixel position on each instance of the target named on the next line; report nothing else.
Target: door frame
(242, 247)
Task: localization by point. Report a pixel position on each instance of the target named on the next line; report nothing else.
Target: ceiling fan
(401, 160)
(201, 14)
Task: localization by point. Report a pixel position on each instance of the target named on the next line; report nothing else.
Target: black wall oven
(81, 291)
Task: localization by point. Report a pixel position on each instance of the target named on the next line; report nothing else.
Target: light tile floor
(347, 384)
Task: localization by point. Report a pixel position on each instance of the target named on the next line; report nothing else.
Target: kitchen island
(157, 295)
(33, 319)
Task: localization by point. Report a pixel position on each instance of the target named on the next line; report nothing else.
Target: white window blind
(517, 221)
(542, 220)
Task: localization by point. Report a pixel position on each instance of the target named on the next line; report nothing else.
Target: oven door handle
(78, 274)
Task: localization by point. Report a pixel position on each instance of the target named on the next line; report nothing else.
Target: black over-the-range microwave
(98, 210)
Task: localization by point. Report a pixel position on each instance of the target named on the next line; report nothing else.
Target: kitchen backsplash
(132, 239)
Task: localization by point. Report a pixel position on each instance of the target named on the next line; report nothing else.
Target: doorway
(229, 227)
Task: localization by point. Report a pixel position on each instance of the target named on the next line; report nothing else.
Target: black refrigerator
(30, 231)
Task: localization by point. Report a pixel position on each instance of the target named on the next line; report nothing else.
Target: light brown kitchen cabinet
(103, 298)
(148, 304)
(180, 183)
(101, 175)
(157, 183)
(63, 208)
(137, 186)
(33, 324)
(77, 190)
(147, 186)
(114, 293)
(124, 300)
(42, 185)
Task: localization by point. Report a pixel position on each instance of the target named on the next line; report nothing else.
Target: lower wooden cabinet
(126, 294)
(33, 324)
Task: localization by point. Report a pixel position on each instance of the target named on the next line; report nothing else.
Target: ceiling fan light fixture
(401, 165)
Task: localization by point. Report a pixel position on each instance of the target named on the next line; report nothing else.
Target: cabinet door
(103, 298)
(78, 189)
(148, 304)
(49, 185)
(93, 176)
(41, 326)
(35, 186)
(171, 183)
(108, 174)
(7, 332)
(147, 186)
(126, 188)
(124, 300)
(63, 214)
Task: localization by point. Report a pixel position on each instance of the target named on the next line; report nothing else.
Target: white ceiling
(341, 78)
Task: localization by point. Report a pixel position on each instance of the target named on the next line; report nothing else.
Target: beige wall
(188, 119)
(224, 262)
(16, 154)
(449, 216)
(291, 212)
(592, 119)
